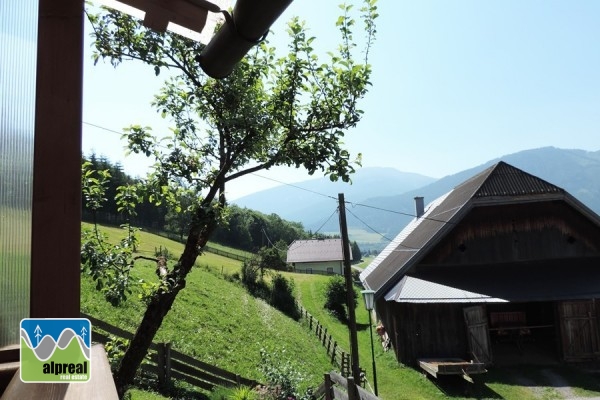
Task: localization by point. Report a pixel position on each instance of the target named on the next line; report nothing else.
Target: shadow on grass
(523, 381)
(455, 386)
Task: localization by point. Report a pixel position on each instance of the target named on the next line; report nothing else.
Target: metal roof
(415, 290)
(315, 250)
(499, 184)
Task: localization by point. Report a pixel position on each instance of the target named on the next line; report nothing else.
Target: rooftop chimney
(419, 206)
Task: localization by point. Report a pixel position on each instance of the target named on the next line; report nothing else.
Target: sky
(455, 84)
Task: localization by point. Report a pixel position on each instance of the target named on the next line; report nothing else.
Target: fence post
(168, 362)
(333, 352)
(328, 387)
(352, 389)
(324, 337)
(329, 344)
(310, 322)
(164, 364)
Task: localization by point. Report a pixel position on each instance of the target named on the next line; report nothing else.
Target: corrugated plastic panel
(18, 49)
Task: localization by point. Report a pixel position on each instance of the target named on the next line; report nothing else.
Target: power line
(294, 186)
(381, 234)
(324, 223)
(102, 127)
(399, 213)
(368, 226)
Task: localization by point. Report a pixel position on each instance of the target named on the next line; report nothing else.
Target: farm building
(503, 268)
(316, 256)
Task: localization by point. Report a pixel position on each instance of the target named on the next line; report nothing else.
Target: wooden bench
(100, 387)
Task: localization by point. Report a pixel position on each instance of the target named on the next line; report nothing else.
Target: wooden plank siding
(579, 330)
(427, 331)
(510, 233)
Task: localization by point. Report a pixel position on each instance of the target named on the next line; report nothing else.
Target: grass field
(218, 322)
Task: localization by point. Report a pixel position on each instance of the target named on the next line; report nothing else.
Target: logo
(55, 350)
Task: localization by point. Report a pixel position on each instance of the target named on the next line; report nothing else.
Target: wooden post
(333, 352)
(56, 185)
(160, 361)
(310, 322)
(324, 337)
(329, 344)
(328, 387)
(168, 362)
(164, 364)
(349, 288)
(352, 391)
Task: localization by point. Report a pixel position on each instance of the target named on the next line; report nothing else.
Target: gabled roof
(499, 184)
(315, 250)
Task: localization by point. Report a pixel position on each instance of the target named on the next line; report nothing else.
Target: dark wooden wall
(425, 330)
(518, 232)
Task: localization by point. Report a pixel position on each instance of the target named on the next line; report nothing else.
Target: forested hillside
(243, 228)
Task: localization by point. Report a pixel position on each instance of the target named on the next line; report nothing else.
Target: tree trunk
(153, 318)
(162, 302)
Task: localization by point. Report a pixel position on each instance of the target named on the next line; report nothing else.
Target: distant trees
(251, 230)
(356, 253)
(244, 229)
(147, 215)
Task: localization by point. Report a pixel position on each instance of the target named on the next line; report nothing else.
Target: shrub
(253, 281)
(335, 298)
(282, 296)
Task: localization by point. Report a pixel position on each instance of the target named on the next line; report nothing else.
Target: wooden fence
(166, 363)
(337, 387)
(228, 254)
(338, 356)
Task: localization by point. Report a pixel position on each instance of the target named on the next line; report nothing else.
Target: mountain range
(381, 200)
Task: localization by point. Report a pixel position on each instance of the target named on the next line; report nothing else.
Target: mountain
(384, 197)
(317, 198)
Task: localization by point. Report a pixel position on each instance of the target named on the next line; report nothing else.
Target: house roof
(315, 250)
(499, 184)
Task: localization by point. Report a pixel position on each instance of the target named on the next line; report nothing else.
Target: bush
(335, 298)
(282, 296)
(253, 281)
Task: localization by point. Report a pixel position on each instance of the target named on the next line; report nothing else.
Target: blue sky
(455, 84)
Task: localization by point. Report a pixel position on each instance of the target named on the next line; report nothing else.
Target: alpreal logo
(55, 350)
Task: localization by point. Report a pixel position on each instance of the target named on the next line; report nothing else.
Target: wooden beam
(181, 12)
(56, 208)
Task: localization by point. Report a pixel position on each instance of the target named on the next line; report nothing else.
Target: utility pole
(349, 290)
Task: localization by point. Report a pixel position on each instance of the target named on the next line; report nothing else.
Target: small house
(503, 268)
(316, 256)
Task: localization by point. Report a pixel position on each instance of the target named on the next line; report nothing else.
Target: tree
(356, 253)
(272, 258)
(336, 298)
(290, 110)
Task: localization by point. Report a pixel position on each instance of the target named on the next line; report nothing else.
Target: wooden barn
(503, 268)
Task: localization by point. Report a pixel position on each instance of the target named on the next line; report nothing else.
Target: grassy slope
(213, 319)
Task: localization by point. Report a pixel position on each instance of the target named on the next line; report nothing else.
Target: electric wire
(380, 234)
(322, 195)
(324, 223)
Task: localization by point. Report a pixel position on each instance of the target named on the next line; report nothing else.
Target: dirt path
(562, 386)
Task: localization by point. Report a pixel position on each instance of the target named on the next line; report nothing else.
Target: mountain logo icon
(55, 350)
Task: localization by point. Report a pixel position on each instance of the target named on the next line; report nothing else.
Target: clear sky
(455, 84)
